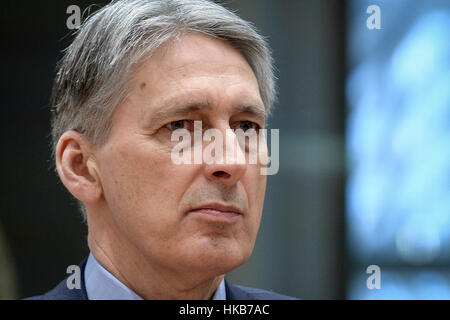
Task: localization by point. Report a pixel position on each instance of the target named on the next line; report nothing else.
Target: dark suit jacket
(234, 292)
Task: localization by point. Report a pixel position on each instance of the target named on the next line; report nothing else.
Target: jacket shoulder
(238, 292)
(62, 292)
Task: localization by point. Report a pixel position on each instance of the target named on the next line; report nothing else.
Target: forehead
(192, 49)
(191, 63)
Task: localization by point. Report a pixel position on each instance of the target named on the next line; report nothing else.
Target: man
(136, 72)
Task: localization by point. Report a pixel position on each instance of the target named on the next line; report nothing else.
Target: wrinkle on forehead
(181, 57)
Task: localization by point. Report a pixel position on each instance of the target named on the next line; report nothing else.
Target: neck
(139, 273)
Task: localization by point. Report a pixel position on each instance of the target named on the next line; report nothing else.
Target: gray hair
(93, 73)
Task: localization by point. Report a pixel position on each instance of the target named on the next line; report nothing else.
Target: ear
(77, 168)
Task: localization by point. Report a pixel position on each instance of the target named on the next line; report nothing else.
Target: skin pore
(139, 203)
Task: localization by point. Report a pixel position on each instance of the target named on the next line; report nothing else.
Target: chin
(222, 258)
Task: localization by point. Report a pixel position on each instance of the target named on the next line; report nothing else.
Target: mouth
(217, 211)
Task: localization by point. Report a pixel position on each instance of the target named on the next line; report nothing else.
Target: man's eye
(246, 125)
(180, 124)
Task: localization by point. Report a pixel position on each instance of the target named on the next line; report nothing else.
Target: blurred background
(364, 179)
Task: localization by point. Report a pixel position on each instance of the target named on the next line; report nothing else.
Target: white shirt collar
(103, 285)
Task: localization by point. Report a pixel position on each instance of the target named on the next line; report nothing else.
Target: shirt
(103, 285)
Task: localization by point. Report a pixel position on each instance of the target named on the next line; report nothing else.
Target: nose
(231, 165)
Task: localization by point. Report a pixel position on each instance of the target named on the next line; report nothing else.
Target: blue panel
(398, 134)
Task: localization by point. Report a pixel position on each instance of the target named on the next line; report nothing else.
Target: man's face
(149, 198)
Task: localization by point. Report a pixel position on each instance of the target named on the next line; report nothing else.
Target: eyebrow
(179, 110)
(257, 112)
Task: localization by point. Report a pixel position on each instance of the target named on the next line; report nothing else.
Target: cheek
(255, 188)
(142, 189)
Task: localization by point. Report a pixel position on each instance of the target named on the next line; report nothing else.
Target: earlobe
(76, 167)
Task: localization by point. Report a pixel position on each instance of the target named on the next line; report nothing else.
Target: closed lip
(218, 207)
